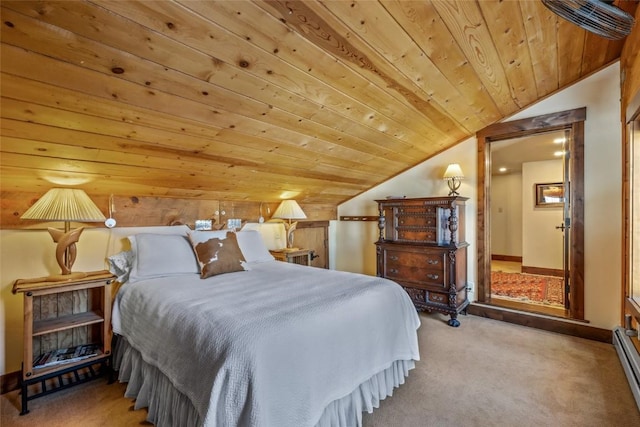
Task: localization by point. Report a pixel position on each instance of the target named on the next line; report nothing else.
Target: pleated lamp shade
(289, 209)
(64, 204)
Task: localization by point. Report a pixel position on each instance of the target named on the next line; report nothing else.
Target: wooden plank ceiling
(254, 101)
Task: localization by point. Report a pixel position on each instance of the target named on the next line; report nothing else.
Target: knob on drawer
(393, 257)
(432, 276)
(432, 261)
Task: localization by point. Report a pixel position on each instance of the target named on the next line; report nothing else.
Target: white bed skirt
(168, 407)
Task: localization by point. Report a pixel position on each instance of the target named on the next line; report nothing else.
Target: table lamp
(65, 204)
(289, 209)
(454, 176)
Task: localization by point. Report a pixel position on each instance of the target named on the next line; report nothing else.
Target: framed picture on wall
(550, 195)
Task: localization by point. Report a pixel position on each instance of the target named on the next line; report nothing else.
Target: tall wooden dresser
(422, 247)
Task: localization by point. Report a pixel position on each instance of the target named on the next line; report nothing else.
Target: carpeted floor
(484, 373)
(529, 288)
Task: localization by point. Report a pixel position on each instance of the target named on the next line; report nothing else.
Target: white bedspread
(272, 346)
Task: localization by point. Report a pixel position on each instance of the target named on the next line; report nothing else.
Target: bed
(266, 344)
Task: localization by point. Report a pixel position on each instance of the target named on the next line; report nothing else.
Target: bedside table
(294, 256)
(60, 316)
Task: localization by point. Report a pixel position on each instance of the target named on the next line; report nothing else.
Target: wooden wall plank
(190, 63)
(541, 28)
(399, 50)
(465, 22)
(140, 96)
(571, 47)
(133, 211)
(275, 37)
(421, 21)
(508, 34)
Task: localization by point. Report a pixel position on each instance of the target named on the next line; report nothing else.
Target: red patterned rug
(529, 288)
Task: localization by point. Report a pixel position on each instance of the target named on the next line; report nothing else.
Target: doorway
(530, 222)
(548, 200)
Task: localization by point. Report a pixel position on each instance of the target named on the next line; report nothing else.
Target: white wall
(506, 214)
(542, 243)
(355, 249)
(600, 93)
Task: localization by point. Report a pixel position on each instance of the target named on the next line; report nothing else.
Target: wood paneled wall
(150, 211)
(630, 65)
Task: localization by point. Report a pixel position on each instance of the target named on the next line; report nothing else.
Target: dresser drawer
(415, 267)
(417, 234)
(420, 220)
(433, 260)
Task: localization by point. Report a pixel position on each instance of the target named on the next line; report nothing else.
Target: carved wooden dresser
(422, 247)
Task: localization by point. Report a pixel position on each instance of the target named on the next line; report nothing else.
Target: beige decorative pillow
(217, 252)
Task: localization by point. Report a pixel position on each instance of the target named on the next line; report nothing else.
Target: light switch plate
(233, 223)
(203, 224)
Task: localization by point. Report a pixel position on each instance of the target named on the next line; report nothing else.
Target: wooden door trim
(570, 119)
(631, 115)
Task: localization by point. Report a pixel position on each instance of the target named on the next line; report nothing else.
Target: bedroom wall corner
(356, 250)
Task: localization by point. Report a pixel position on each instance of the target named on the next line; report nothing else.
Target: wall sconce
(289, 209)
(454, 176)
(65, 204)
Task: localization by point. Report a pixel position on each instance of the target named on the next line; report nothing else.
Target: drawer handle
(393, 258)
(433, 261)
(393, 270)
(432, 276)
(437, 298)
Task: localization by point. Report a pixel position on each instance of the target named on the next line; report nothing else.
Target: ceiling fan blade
(599, 17)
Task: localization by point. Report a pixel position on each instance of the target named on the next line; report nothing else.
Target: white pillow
(159, 255)
(253, 247)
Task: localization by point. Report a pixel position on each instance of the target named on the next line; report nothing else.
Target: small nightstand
(68, 313)
(294, 256)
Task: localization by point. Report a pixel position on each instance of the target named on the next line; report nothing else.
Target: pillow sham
(217, 252)
(253, 247)
(159, 255)
(120, 265)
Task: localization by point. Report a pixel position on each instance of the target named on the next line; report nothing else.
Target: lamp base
(454, 184)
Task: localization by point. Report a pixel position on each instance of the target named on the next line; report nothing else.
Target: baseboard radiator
(629, 358)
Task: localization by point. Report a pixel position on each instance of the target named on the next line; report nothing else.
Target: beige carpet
(484, 373)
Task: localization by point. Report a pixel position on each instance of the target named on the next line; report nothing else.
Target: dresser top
(425, 200)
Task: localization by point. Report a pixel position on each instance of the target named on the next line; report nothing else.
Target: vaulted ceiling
(242, 100)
